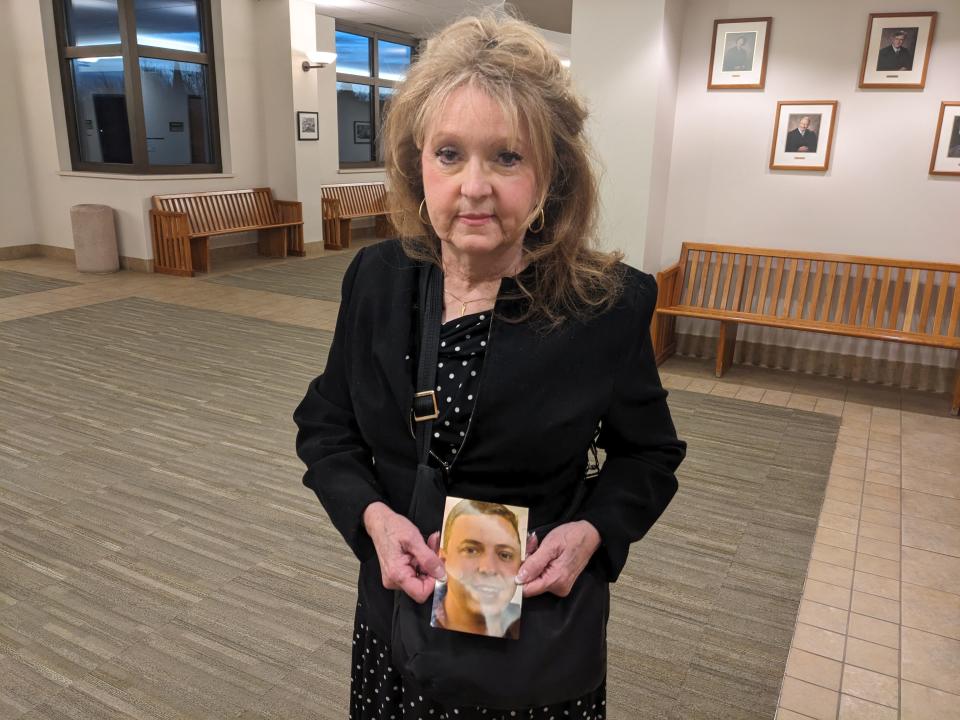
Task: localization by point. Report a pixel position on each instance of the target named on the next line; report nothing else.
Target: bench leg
(955, 407)
(662, 334)
(200, 254)
(331, 234)
(344, 234)
(383, 227)
(726, 343)
(272, 242)
(294, 239)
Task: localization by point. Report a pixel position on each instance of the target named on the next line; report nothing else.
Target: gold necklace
(464, 303)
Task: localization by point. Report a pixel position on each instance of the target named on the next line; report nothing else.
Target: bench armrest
(331, 208)
(669, 283)
(289, 210)
(169, 224)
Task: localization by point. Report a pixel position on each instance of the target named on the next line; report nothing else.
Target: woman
(480, 550)
(543, 339)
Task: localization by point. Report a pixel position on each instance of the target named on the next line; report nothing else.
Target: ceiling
(424, 17)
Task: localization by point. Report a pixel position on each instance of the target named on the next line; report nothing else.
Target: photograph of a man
(954, 146)
(481, 550)
(896, 51)
(802, 137)
(739, 53)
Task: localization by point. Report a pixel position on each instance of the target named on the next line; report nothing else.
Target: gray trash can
(94, 238)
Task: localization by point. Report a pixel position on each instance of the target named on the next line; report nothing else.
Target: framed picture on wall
(897, 50)
(946, 146)
(361, 132)
(803, 134)
(308, 126)
(738, 56)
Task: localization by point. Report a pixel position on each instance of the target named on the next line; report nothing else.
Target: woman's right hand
(406, 562)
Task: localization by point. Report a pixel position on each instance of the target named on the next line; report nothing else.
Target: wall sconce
(318, 59)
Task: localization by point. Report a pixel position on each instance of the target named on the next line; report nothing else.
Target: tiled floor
(878, 632)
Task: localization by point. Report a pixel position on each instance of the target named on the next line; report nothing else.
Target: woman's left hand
(555, 564)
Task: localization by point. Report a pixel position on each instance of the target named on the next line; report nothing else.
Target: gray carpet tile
(159, 557)
(315, 278)
(17, 283)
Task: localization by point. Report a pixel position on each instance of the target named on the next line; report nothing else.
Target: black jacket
(540, 398)
(890, 59)
(795, 141)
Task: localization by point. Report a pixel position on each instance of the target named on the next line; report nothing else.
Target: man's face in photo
(482, 557)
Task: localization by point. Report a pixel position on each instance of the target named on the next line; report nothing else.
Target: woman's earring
(425, 221)
(543, 219)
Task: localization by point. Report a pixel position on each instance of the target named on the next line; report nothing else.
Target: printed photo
(802, 133)
(896, 48)
(482, 545)
(739, 53)
(954, 149)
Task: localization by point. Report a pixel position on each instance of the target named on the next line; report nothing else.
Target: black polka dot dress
(377, 690)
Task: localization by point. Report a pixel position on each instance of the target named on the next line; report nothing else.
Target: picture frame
(361, 132)
(738, 53)
(308, 125)
(803, 134)
(896, 51)
(945, 159)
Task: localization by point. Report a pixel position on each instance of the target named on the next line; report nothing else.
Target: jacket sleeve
(637, 481)
(339, 463)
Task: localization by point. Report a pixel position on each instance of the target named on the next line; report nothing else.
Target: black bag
(562, 650)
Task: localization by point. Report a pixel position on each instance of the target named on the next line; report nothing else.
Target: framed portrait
(803, 134)
(361, 132)
(308, 125)
(897, 50)
(738, 56)
(482, 545)
(946, 146)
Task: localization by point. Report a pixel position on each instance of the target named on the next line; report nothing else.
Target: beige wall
(43, 134)
(17, 217)
(876, 199)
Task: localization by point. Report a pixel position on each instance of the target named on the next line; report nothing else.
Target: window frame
(130, 52)
(374, 81)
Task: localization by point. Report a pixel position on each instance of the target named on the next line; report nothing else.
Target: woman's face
(480, 187)
(482, 557)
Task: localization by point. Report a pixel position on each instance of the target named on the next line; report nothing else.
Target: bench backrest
(898, 296)
(211, 212)
(357, 199)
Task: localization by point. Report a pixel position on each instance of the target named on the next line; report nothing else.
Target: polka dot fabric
(377, 692)
(463, 342)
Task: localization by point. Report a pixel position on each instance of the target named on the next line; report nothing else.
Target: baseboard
(17, 252)
(931, 378)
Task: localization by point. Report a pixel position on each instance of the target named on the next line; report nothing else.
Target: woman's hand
(406, 562)
(555, 564)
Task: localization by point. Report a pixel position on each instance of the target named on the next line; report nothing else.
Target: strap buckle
(422, 408)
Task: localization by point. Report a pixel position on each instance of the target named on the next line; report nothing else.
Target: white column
(624, 56)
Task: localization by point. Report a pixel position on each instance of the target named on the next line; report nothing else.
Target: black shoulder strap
(425, 408)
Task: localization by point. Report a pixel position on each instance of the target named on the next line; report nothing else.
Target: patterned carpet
(159, 557)
(16, 283)
(315, 278)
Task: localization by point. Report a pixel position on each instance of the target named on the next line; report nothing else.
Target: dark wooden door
(113, 128)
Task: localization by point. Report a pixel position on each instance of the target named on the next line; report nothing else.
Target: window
(369, 65)
(138, 85)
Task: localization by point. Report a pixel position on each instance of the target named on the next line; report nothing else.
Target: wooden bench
(183, 223)
(865, 297)
(343, 203)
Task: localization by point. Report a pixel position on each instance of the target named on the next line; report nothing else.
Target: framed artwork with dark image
(946, 145)
(308, 126)
(897, 50)
(738, 56)
(361, 132)
(803, 134)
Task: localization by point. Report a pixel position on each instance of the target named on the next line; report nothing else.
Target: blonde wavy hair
(508, 60)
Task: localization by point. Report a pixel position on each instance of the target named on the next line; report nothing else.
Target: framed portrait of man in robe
(803, 134)
(738, 57)
(946, 146)
(897, 50)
